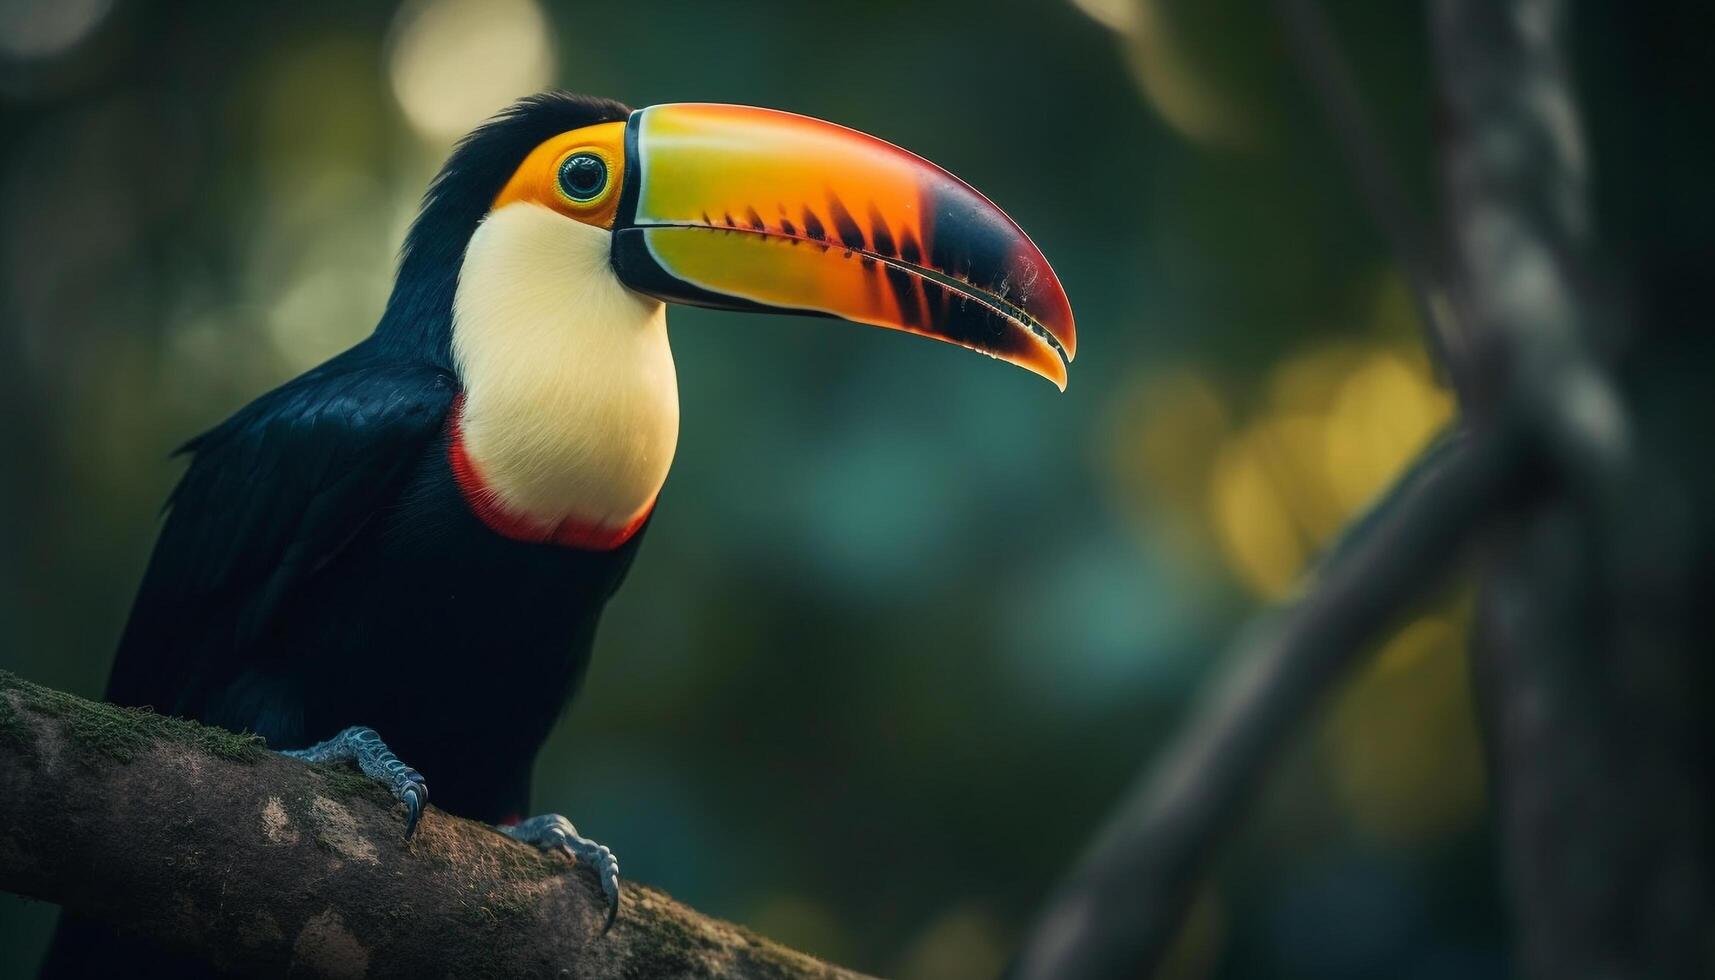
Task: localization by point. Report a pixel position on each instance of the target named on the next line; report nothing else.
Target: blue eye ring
(583, 177)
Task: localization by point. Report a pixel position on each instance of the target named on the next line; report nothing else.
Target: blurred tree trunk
(1590, 656)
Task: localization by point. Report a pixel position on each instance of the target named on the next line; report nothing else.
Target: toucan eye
(583, 176)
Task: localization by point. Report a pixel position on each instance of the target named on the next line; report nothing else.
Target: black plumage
(318, 567)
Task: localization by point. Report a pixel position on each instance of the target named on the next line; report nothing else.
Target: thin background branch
(1119, 911)
(1318, 54)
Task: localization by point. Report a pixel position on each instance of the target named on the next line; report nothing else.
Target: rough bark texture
(1592, 650)
(265, 866)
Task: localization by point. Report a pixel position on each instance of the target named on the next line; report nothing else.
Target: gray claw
(415, 797)
(552, 831)
(608, 872)
(362, 746)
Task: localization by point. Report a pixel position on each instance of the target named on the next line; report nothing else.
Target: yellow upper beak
(743, 208)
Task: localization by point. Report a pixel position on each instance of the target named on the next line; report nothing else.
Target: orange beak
(740, 208)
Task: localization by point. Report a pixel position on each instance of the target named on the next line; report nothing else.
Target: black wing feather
(271, 496)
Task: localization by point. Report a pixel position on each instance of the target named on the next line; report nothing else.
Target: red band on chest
(567, 533)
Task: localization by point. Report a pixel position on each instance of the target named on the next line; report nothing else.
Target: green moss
(671, 952)
(498, 872)
(778, 960)
(343, 781)
(520, 864)
(525, 864)
(121, 733)
(502, 908)
(677, 947)
(495, 909)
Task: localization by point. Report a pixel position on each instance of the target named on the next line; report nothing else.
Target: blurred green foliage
(907, 620)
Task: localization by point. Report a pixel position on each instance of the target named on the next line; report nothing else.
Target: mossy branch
(208, 843)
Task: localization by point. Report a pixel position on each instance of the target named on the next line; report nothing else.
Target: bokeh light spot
(1252, 516)
(1170, 75)
(1402, 743)
(802, 923)
(455, 62)
(31, 29)
(1384, 414)
(1339, 423)
(963, 944)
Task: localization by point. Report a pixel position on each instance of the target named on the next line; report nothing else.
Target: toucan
(414, 540)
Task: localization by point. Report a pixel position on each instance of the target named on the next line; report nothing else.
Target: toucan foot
(362, 746)
(550, 831)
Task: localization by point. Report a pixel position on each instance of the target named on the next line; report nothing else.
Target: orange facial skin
(537, 179)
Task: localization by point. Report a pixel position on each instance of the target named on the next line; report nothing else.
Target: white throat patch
(571, 403)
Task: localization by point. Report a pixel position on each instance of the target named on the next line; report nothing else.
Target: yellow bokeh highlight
(1251, 505)
(1384, 413)
(1265, 484)
(964, 943)
(1338, 423)
(802, 922)
(1333, 425)
(1306, 381)
(1401, 743)
(1339, 429)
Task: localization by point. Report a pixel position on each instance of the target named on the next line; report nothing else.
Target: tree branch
(1118, 913)
(1330, 76)
(208, 843)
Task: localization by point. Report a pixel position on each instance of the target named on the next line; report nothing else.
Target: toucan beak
(754, 209)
